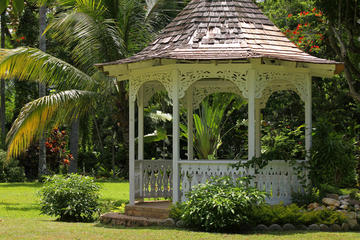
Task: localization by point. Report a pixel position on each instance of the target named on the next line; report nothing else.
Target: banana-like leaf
(45, 113)
(157, 136)
(18, 5)
(31, 64)
(3, 5)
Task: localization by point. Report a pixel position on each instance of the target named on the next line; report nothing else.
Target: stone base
(133, 221)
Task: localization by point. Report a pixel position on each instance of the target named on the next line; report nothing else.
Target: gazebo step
(157, 209)
(134, 221)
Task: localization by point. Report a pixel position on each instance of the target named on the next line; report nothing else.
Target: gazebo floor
(141, 214)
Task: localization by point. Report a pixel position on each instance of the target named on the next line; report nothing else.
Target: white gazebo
(215, 46)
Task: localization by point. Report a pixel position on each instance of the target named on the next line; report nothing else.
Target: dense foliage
(280, 214)
(321, 28)
(70, 198)
(10, 171)
(333, 158)
(221, 204)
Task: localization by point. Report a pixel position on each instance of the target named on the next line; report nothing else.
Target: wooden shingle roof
(221, 30)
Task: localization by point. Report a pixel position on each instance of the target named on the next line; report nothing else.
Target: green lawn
(21, 219)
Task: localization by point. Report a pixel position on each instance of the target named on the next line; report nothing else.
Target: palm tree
(86, 26)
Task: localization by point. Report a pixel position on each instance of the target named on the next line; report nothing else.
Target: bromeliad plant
(209, 125)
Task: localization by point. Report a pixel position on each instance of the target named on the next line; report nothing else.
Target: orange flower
(290, 15)
(66, 161)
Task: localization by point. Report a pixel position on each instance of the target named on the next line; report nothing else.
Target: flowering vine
(307, 34)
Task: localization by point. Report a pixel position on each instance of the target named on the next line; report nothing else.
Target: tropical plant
(209, 123)
(86, 29)
(332, 158)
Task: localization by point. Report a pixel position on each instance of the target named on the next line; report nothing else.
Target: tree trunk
(2, 88)
(74, 145)
(42, 89)
(123, 120)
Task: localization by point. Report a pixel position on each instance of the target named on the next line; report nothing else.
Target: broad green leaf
(3, 5)
(18, 5)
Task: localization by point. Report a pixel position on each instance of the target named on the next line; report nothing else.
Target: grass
(21, 219)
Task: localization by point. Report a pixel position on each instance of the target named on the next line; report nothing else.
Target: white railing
(153, 178)
(278, 178)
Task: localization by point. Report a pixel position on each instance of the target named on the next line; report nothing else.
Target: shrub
(332, 159)
(10, 171)
(70, 198)
(177, 211)
(293, 214)
(305, 198)
(355, 194)
(221, 204)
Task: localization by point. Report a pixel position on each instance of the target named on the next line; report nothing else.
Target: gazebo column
(140, 157)
(190, 124)
(251, 114)
(131, 147)
(257, 130)
(176, 139)
(308, 116)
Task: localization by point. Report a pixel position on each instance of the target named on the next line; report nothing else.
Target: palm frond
(151, 6)
(45, 113)
(32, 64)
(91, 38)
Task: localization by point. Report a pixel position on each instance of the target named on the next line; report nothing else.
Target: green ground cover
(21, 219)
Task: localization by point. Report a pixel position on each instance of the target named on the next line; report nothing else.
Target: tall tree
(42, 88)
(344, 32)
(2, 87)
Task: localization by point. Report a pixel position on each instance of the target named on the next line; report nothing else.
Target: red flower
(22, 38)
(66, 161)
(290, 15)
(314, 9)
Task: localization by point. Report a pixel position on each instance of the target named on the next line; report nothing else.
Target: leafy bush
(282, 142)
(355, 194)
(293, 214)
(326, 189)
(10, 171)
(332, 159)
(70, 198)
(305, 198)
(177, 211)
(221, 204)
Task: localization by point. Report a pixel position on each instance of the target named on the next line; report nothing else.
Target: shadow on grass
(17, 207)
(277, 233)
(14, 185)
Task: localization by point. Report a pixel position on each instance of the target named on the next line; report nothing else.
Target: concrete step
(119, 219)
